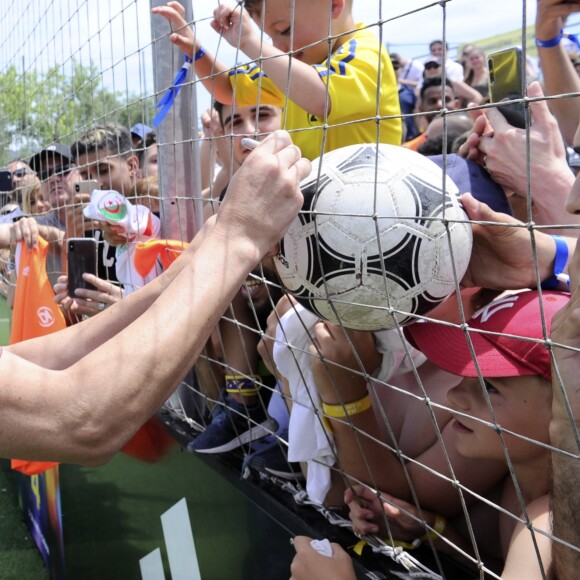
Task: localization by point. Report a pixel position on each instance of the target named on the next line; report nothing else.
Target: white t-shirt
(454, 70)
(412, 71)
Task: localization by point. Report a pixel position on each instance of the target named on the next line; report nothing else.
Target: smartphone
(81, 258)
(86, 186)
(5, 180)
(506, 82)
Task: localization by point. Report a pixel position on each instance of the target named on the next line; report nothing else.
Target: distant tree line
(39, 108)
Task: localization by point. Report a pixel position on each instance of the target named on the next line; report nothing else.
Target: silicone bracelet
(246, 385)
(348, 409)
(559, 263)
(549, 43)
(438, 529)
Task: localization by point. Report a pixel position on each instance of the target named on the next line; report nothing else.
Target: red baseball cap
(507, 337)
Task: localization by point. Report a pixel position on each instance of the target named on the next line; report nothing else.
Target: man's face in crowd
(58, 176)
(432, 101)
(110, 171)
(254, 122)
(437, 49)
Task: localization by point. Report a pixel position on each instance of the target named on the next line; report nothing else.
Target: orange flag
(147, 253)
(35, 314)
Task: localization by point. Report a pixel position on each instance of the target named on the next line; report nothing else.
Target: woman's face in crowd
(476, 60)
(38, 204)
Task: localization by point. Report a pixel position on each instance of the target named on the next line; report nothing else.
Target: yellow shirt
(352, 74)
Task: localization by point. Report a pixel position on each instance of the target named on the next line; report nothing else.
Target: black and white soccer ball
(378, 240)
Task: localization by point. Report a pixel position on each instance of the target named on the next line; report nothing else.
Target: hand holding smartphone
(81, 259)
(506, 83)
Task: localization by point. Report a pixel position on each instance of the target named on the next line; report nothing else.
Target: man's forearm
(560, 78)
(92, 408)
(74, 342)
(565, 499)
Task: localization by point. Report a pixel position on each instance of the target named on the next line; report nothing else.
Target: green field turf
(19, 557)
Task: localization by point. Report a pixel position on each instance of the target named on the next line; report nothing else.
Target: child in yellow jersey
(333, 77)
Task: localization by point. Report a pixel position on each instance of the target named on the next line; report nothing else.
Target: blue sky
(409, 34)
(467, 20)
(115, 34)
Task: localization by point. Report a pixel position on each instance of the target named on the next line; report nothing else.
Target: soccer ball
(377, 241)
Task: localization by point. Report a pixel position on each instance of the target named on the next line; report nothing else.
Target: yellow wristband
(438, 528)
(348, 409)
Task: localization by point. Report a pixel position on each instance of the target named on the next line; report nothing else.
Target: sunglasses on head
(431, 65)
(60, 170)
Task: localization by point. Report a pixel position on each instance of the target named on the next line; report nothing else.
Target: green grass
(19, 557)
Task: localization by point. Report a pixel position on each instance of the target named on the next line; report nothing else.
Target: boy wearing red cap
(502, 411)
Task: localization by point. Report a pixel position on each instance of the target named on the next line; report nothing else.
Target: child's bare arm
(306, 88)
(212, 73)
(522, 559)
(361, 451)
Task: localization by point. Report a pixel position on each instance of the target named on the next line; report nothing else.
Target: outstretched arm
(502, 257)
(504, 151)
(559, 74)
(212, 73)
(79, 395)
(28, 230)
(362, 455)
(304, 86)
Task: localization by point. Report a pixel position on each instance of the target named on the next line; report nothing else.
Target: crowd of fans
(426, 435)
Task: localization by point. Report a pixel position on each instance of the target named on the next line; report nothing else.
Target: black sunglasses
(431, 65)
(20, 173)
(61, 170)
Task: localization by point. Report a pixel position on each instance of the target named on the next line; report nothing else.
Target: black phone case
(5, 181)
(81, 259)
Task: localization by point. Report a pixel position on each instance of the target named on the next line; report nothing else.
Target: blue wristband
(559, 263)
(549, 43)
(200, 53)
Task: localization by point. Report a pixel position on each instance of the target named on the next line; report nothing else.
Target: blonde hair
(27, 191)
